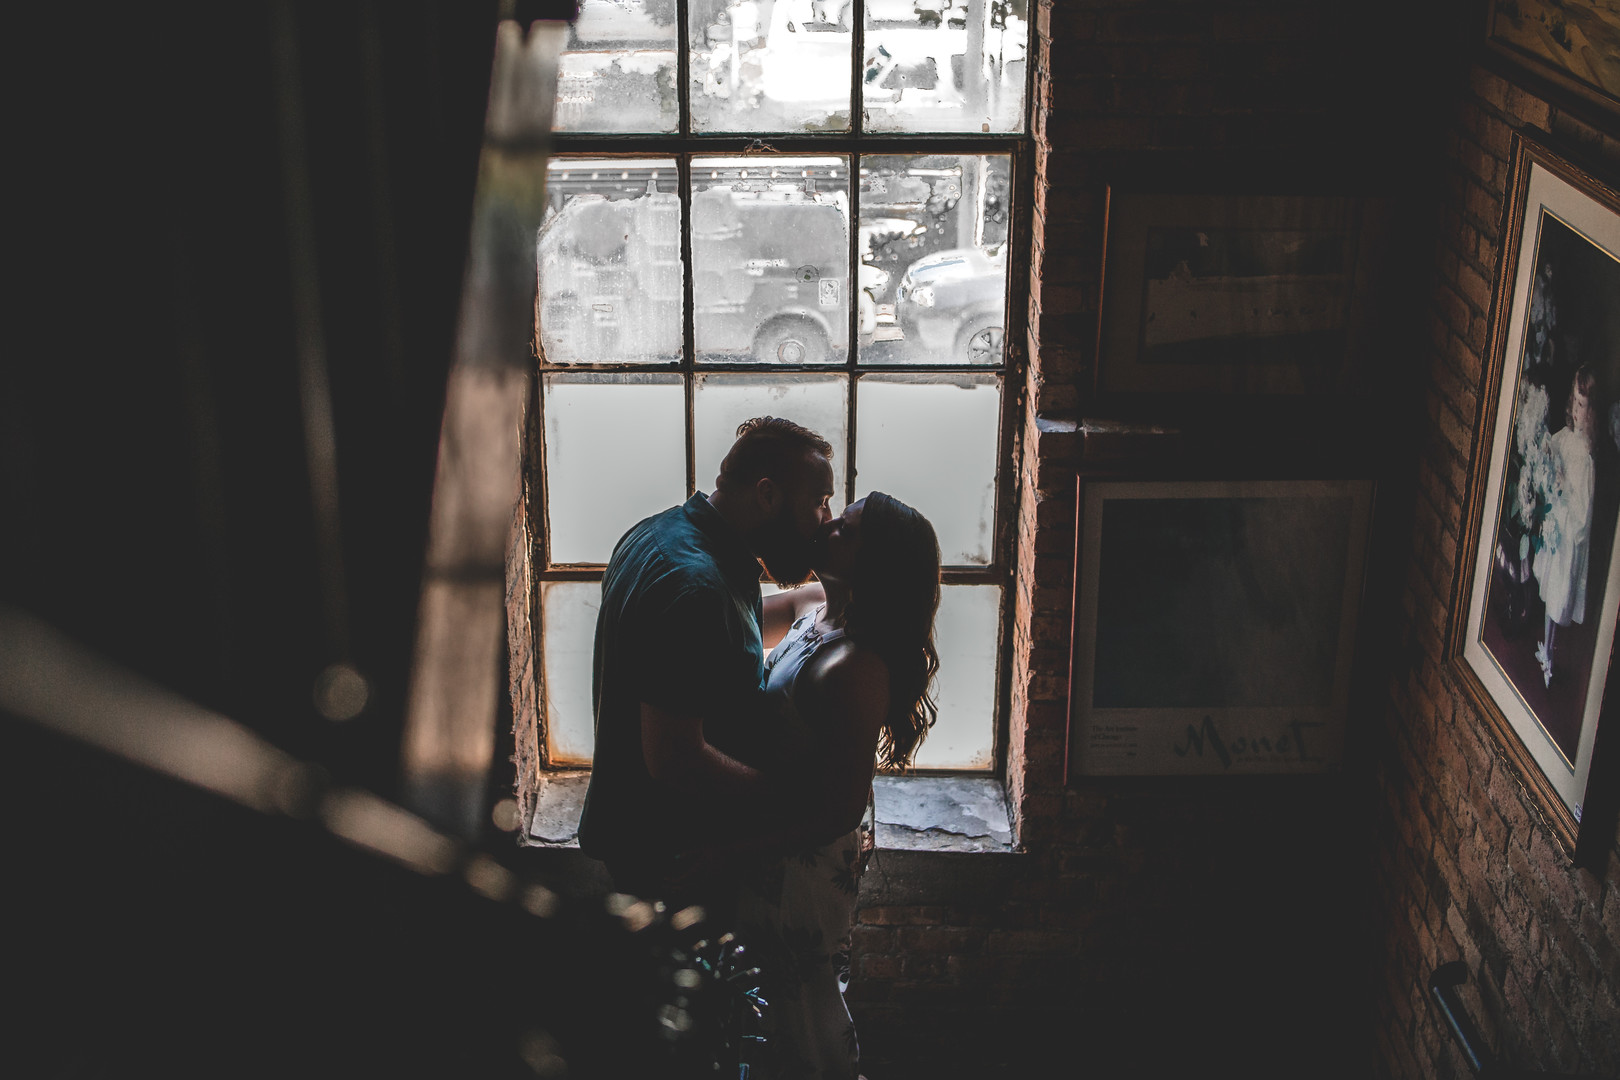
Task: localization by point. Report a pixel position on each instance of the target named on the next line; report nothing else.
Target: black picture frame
(1238, 294)
(1215, 625)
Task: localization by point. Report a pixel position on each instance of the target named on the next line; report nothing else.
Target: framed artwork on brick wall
(1571, 45)
(1215, 623)
(1533, 618)
(1237, 294)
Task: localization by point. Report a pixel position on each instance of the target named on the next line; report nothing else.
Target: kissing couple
(741, 782)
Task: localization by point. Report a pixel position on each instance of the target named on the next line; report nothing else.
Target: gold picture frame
(1532, 624)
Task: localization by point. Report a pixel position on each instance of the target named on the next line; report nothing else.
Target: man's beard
(785, 553)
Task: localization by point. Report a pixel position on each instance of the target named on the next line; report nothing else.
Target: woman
(851, 676)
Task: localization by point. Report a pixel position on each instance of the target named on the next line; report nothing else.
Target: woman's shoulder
(844, 667)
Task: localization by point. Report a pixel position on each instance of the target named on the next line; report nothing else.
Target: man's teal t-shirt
(679, 629)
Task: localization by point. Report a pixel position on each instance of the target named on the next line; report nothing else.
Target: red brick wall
(522, 666)
(1463, 868)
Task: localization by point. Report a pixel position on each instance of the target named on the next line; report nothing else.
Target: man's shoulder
(666, 553)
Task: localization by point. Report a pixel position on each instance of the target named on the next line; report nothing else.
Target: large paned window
(797, 208)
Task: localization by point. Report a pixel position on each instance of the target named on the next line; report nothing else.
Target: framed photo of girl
(1533, 620)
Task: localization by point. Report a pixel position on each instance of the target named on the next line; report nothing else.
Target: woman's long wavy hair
(894, 595)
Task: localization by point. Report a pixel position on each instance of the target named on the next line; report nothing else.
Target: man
(681, 734)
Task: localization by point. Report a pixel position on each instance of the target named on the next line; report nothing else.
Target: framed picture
(1236, 294)
(1572, 45)
(1533, 621)
(1214, 625)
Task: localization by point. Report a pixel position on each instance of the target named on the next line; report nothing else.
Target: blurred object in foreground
(449, 739)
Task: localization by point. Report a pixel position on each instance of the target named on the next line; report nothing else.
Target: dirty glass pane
(567, 641)
(933, 241)
(945, 65)
(931, 441)
(818, 402)
(965, 633)
(759, 65)
(615, 453)
(617, 72)
(609, 262)
(770, 259)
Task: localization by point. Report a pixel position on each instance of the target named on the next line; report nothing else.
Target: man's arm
(676, 754)
(693, 650)
(825, 795)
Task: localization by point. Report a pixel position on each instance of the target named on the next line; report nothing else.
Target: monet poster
(1235, 293)
(1214, 626)
(1546, 570)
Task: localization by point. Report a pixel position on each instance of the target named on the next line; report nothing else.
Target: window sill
(960, 814)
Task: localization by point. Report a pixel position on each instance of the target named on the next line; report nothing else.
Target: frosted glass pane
(945, 65)
(763, 66)
(568, 642)
(615, 453)
(966, 632)
(609, 262)
(617, 72)
(931, 441)
(770, 259)
(818, 402)
(933, 242)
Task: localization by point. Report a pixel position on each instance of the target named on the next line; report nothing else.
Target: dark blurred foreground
(186, 900)
(210, 199)
(160, 929)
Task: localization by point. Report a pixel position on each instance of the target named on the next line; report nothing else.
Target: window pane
(618, 71)
(818, 402)
(945, 65)
(568, 640)
(770, 259)
(965, 633)
(615, 453)
(609, 262)
(763, 66)
(931, 441)
(934, 258)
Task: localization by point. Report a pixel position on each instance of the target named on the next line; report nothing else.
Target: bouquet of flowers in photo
(1527, 526)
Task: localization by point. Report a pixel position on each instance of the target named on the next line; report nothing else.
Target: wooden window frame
(855, 144)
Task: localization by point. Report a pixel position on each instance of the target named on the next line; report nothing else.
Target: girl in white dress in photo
(1561, 564)
(850, 672)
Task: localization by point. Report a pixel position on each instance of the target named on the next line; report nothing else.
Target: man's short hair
(768, 446)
